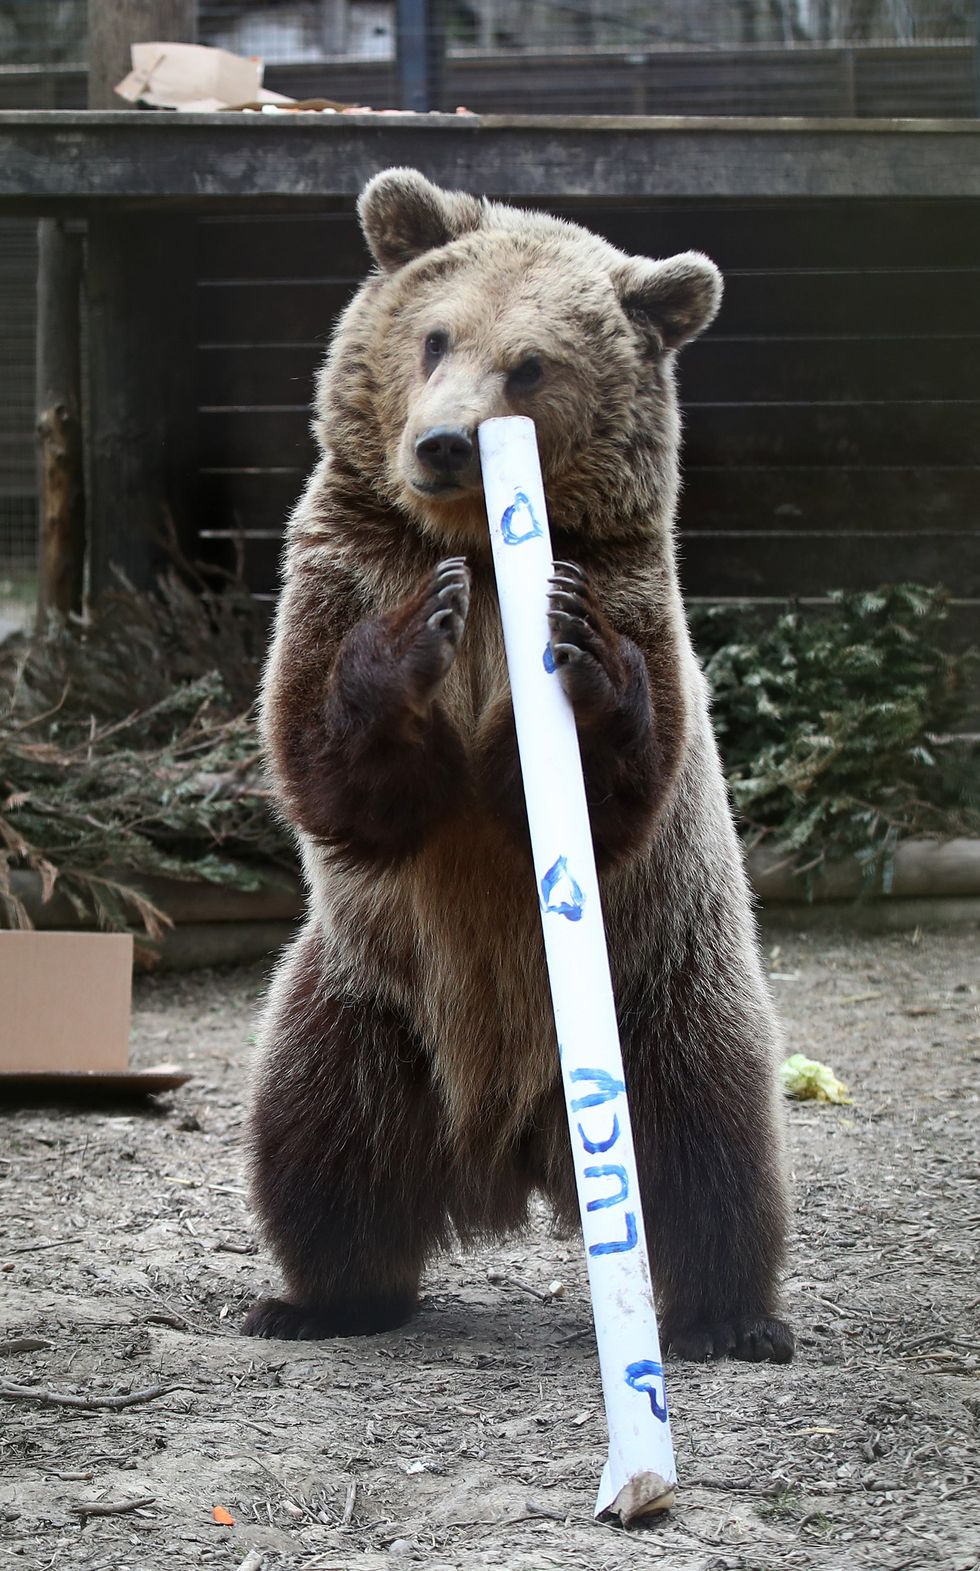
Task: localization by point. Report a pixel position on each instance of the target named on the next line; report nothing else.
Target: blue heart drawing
(560, 893)
(519, 523)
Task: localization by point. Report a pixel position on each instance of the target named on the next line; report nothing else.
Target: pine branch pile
(128, 747)
(838, 731)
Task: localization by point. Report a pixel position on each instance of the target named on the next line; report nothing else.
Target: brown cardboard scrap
(92, 1086)
(65, 1002)
(194, 78)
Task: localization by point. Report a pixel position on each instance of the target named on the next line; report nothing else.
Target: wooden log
(58, 407)
(923, 869)
(113, 25)
(279, 899)
(199, 944)
(871, 916)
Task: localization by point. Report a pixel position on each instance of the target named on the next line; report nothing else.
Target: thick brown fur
(408, 1083)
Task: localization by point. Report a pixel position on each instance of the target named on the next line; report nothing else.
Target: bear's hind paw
(758, 1340)
(274, 1318)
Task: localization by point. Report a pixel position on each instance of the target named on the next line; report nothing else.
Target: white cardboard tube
(639, 1475)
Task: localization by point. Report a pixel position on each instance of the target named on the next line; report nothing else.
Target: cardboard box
(194, 78)
(65, 1001)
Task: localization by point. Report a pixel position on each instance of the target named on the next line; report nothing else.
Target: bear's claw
(583, 644)
(429, 640)
(757, 1340)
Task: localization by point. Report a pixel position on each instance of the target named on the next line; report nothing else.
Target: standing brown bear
(408, 1088)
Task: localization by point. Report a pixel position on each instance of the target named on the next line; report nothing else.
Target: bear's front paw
(430, 629)
(585, 648)
(762, 1340)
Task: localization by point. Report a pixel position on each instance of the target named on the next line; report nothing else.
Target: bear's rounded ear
(403, 215)
(677, 297)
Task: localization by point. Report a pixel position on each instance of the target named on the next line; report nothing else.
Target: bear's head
(479, 310)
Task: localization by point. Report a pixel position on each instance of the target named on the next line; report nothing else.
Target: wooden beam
(54, 160)
(140, 297)
(113, 25)
(59, 419)
(421, 43)
(141, 402)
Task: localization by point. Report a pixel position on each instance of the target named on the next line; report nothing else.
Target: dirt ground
(475, 1436)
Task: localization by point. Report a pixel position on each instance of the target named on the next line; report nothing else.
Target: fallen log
(921, 869)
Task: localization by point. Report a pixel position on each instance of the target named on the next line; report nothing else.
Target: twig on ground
(30, 1249)
(839, 1309)
(348, 1511)
(168, 1315)
(299, 1504)
(24, 1344)
(533, 1509)
(112, 1507)
(500, 1279)
(254, 1561)
(85, 1403)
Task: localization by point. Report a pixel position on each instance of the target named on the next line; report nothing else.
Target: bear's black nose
(445, 449)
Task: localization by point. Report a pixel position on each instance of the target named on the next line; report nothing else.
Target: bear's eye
(525, 375)
(436, 345)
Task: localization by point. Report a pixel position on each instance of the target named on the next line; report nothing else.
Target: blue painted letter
(594, 1146)
(649, 1370)
(609, 1089)
(611, 1171)
(618, 1246)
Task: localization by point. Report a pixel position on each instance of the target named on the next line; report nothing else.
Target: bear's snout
(445, 450)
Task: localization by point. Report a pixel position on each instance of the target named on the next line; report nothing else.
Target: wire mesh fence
(54, 31)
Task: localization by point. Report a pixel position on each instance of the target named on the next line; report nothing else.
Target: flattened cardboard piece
(192, 77)
(65, 1002)
(94, 1087)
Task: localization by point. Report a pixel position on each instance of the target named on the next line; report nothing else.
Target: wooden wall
(832, 413)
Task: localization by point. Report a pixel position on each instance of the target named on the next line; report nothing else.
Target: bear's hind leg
(348, 1176)
(709, 1151)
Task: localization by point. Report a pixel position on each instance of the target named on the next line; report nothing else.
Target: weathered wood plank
(729, 434)
(891, 500)
(280, 245)
(854, 370)
(861, 304)
(58, 410)
(54, 159)
(248, 497)
(783, 236)
(257, 373)
(810, 564)
(748, 565)
(279, 311)
(260, 437)
(831, 501)
(141, 413)
(832, 434)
